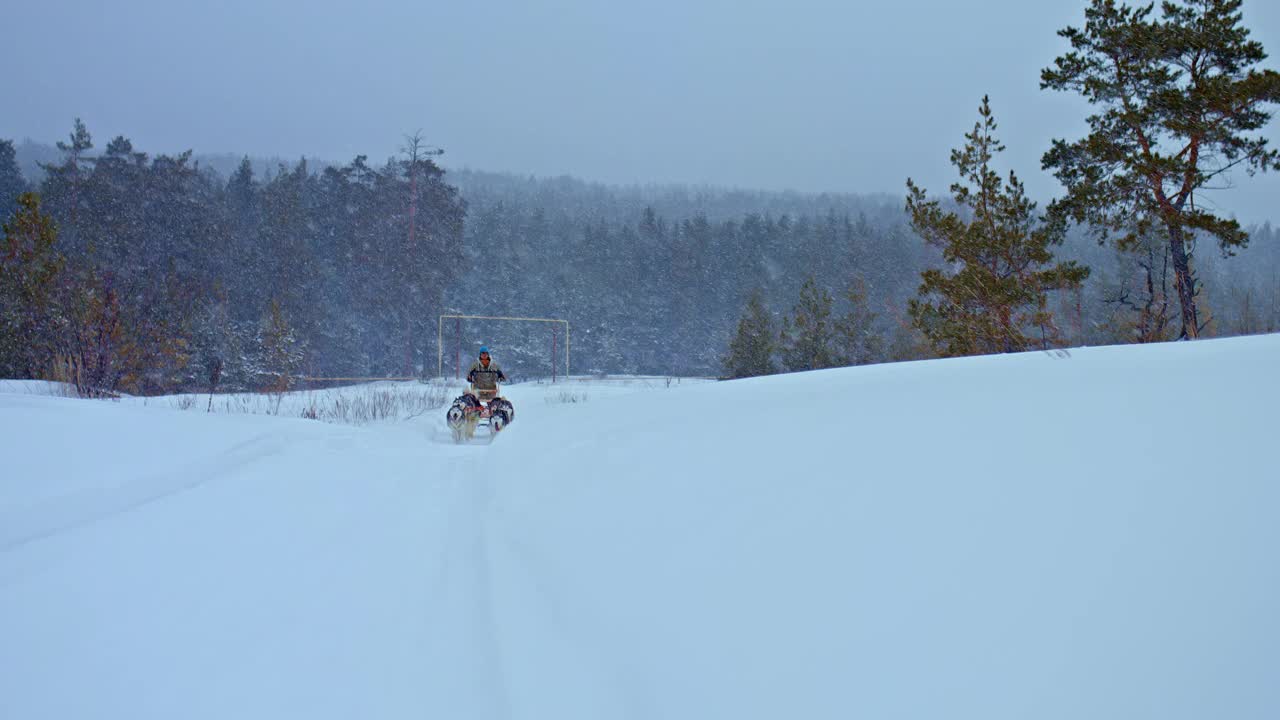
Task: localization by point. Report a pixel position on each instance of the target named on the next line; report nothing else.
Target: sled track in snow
(468, 574)
(85, 508)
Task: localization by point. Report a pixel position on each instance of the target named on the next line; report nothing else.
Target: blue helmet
(484, 349)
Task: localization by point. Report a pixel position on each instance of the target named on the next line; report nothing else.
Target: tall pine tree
(995, 301)
(1177, 99)
(62, 191)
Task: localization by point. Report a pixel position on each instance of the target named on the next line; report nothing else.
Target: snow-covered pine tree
(282, 351)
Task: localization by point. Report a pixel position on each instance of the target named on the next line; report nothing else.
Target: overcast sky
(807, 95)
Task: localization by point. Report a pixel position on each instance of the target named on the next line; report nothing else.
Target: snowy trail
(289, 557)
(66, 514)
(272, 555)
(1051, 536)
(474, 561)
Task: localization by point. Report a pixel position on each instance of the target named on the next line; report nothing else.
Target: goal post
(554, 351)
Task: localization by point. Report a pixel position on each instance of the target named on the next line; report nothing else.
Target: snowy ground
(1090, 534)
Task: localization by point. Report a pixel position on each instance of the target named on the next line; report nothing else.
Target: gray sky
(808, 95)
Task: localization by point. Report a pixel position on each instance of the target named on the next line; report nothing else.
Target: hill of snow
(1084, 534)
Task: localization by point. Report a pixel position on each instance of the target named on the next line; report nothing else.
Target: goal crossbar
(440, 336)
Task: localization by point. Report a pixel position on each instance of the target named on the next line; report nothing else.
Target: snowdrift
(1050, 535)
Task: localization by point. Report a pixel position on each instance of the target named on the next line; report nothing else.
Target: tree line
(127, 273)
(132, 273)
(1177, 96)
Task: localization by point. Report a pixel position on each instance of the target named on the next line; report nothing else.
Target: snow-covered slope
(1090, 534)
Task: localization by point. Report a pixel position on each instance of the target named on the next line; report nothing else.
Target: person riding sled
(481, 400)
(484, 376)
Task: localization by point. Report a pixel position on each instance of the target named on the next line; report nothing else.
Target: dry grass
(354, 405)
(566, 396)
(375, 406)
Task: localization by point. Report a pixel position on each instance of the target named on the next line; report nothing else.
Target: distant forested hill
(654, 277)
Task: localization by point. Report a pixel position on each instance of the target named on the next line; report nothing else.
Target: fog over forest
(807, 95)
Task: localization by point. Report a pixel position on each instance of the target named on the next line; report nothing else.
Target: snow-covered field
(1091, 534)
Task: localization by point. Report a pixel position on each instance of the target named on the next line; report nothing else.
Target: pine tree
(12, 184)
(292, 250)
(29, 269)
(114, 220)
(997, 294)
(282, 351)
(808, 338)
(855, 330)
(1178, 97)
(62, 189)
(419, 170)
(752, 348)
(250, 284)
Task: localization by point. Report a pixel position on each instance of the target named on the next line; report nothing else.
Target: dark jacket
(483, 378)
